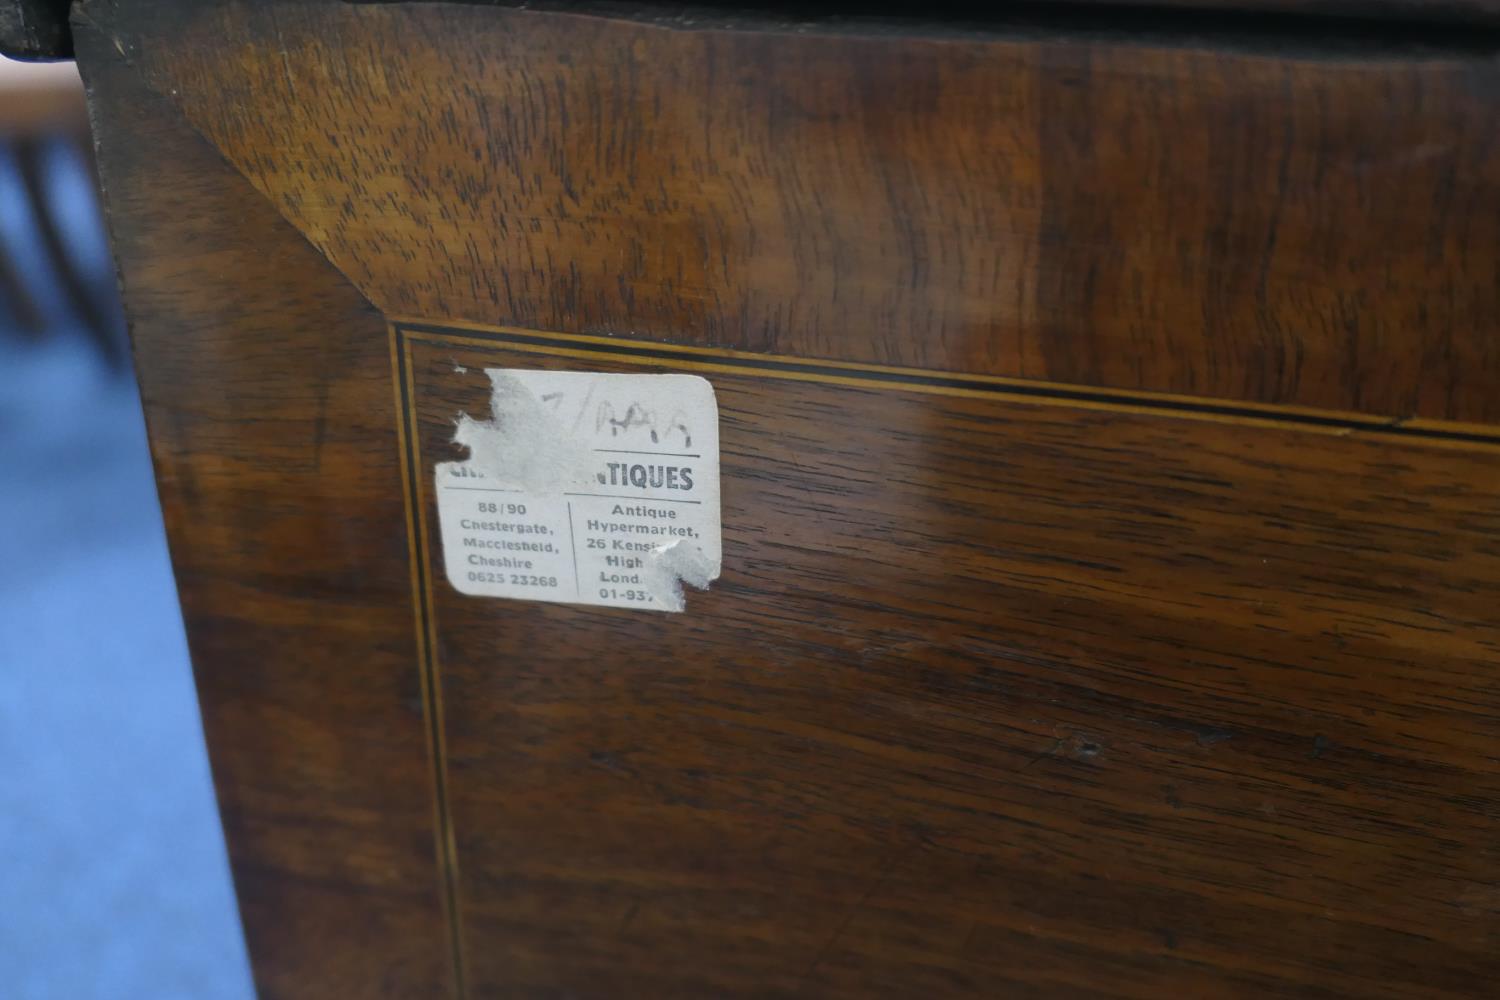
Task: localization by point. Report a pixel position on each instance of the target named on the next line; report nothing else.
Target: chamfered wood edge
(98, 43)
(104, 67)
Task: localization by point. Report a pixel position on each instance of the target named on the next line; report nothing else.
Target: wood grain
(1294, 223)
(265, 381)
(996, 696)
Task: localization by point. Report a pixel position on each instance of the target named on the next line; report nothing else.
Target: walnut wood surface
(266, 387)
(994, 697)
(1296, 223)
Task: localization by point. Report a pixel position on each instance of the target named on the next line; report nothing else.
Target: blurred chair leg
(19, 310)
(36, 168)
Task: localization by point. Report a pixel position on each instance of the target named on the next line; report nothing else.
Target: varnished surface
(1298, 222)
(267, 395)
(994, 697)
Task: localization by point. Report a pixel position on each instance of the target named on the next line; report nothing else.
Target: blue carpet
(113, 878)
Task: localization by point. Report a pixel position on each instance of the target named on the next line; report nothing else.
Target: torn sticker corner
(668, 567)
(522, 445)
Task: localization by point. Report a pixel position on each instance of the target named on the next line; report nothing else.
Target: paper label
(585, 488)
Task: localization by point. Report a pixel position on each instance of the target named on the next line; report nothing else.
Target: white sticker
(585, 488)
